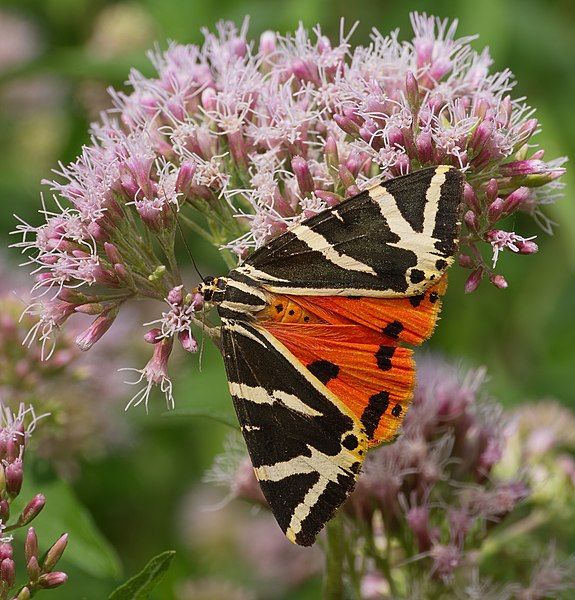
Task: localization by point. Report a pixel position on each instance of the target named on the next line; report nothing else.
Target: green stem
(333, 578)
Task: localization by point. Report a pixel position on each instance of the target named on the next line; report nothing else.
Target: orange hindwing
(352, 345)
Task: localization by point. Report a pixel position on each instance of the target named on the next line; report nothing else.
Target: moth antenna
(178, 225)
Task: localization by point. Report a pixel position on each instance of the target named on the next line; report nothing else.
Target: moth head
(212, 288)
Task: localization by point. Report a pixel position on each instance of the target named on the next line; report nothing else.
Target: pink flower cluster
(239, 140)
(15, 431)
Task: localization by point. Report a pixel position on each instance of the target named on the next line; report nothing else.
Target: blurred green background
(53, 76)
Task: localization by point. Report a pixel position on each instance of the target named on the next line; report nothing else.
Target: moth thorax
(284, 309)
(213, 289)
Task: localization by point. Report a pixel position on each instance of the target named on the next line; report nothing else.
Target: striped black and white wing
(394, 239)
(305, 445)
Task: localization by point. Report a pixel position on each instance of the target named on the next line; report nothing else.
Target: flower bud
(303, 175)
(495, 210)
(52, 580)
(112, 253)
(471, 198)
(8, 572)
(267, 43)
(32, 510)
(498, 281)
(516, 198)
(412, 91)
(465, 261)
(14, 477)
(6, 551)
(527, 247)
(33, 569)
(97, 329)
(471, 221)
(176, 295)
(474, 280)
(24, 594)
(31, 544)
(491, 190)
(55, 553)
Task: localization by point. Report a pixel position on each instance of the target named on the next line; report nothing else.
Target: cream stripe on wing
(432, 199)
(318, 243)
(260, 395)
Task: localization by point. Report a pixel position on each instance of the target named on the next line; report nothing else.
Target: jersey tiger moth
(312, 327)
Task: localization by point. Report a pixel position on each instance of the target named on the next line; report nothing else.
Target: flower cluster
(240, 140)
(436, 511)
(15, 431)
(63, 385)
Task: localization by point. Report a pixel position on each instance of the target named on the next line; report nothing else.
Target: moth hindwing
(316, 378)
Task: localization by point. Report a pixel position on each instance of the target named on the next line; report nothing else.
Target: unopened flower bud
(97, 329)
(31, 544)
(465, 261)
(498, 281)
(112, 253)
(33, 569)
(14, 477)
(267, 43)
(495, 210)
(412, 91)
(303, 175)
(55, 553)
(346, 124)
(527, 247)
(52, 580)
(176, 295)
(471, 221)
(516, 198)
(8, 572)
(24, 594)
(6, 551)
(491, 190)
(329, 198)
(94, 308)
(32, 510)
(474, 280)
(471, 198)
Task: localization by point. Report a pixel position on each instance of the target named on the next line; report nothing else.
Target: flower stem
(333, 577)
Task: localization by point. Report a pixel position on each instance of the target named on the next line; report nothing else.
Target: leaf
(141, 585)
(87, 548)
(205, 412)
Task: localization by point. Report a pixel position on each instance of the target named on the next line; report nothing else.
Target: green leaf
(141, 585)
(205, 412)
(87, 548)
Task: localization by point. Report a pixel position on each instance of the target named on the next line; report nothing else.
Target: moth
(312, 334)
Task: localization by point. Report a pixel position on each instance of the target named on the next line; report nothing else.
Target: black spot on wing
(383, 357)
(350, 442)
(416, 275)
(415, 301)
(284, 495)
(440, 264)
(393, 329)
(373, 412)
(433, 297)
(324, 370)
(396, 410)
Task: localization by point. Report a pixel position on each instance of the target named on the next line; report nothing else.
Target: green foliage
(143, 584)
(87, 549)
